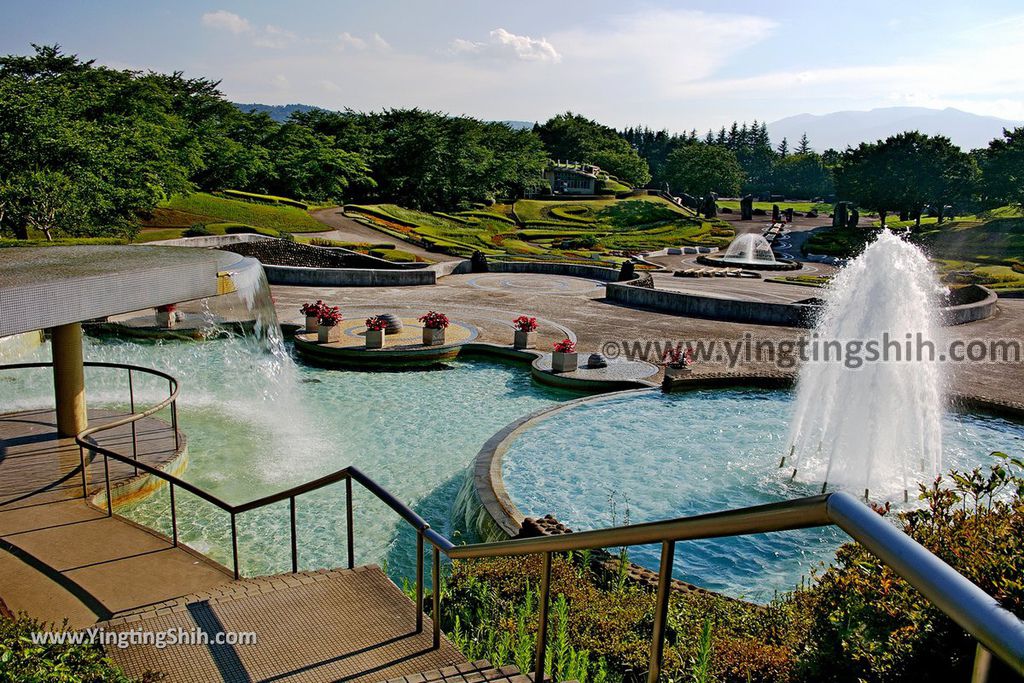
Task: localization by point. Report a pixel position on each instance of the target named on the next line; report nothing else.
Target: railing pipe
(542, 620)
(349, 535)
(419, 582)
(81, 459)
(982, 664)
(106, 476)
(295, 546)
(436, 580)
(174, 517)
(131, 402)
(234, 546)
(668, 551)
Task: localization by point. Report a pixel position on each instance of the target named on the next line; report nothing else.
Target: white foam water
(875, 428)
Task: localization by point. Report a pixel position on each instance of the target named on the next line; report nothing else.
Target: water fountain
(878, 427)
(748, 249)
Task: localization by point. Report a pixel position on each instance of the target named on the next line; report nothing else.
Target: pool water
(257, 424)
(647, 456)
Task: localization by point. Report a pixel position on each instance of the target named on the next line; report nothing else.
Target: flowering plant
(314, 309)
(525, 324)
(330, 316)
(434, 321)
(565, 346)
(167, 308)
(677, 357)
(376, 323)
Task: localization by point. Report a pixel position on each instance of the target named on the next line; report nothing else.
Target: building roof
(43, 287)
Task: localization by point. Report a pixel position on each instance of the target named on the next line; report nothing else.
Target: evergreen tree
(804, 147)
(783, 148)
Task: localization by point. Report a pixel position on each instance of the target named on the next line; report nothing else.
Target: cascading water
(877, 427)
(749, 248)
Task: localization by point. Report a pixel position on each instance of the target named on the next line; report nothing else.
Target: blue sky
(677, 65)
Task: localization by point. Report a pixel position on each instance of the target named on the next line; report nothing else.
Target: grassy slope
(206, 208)
(635, 224)
(987, 248)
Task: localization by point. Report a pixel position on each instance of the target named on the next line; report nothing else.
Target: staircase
(350, 624)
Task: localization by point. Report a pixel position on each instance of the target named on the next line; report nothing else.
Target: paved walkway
(343, 228)
(62, 558)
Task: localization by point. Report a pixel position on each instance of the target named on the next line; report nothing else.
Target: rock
(725, 209)
(394, 323)
(747, 208)
(596, 360)
(627, 272)
(759, 212)
(478, 262)
(776, 216)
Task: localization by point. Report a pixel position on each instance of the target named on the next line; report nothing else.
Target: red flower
(525, 324)
(329, 317)
(565, 346)
(314, 309)
(376, 323)
(434, 321)
(167, 308)
(676, 357)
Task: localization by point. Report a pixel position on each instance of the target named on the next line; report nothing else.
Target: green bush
(867, 624)
(197, 230)
(21, 660)
(241, 230)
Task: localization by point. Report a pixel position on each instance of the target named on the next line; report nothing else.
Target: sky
(674, 65)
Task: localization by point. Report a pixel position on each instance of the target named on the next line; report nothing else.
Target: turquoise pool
(258, 424)
(649, 456)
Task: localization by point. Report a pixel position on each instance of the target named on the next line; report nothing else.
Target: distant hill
(842, 128)
(518, 125)
(278, 112)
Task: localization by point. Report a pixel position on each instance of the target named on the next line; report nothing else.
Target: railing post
(542, 619)
(668, 551)
(982, 664)
(131, 400)
(234, 545)
(174, 414)
(295, 546)
(419, 582)
(106, 475)
(174, 517)
(348, 524)
(436, 580)
(85, 485)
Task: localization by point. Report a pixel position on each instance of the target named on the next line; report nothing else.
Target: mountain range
(849, 128)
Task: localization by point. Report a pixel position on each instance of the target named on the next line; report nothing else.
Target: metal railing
(996, 630)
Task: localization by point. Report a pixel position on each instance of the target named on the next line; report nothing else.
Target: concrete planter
(676, 373)
(524, 340)
(432, 336)
(328, 334)
(375, 339)
(312, 324)
(564, 362)
(166, 319)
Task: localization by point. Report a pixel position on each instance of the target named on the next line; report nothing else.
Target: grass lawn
(154, 234)
(207, 208)
(802, 207)
(567, 230)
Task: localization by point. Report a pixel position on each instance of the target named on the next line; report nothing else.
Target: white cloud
(274, 37)
(226, 21)
(503, 44)
(347, 41)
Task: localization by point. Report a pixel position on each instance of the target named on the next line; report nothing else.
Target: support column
(69, 379)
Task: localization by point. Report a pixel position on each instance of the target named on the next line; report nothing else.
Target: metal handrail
(996, 629)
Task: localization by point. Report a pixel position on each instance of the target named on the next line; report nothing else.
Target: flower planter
(676, 373)
(524, 340)
(166, 319)
(433, 336)
(375, 339)
(327, 334)
(564, 362)
(312, 324)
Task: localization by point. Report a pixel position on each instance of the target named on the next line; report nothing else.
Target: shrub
(21, 660)
(870, 625)
(241, 230)
(197, 230)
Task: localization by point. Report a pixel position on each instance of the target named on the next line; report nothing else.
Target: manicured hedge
(265, 199)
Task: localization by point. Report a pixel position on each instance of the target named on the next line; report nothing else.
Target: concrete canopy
(47, 287)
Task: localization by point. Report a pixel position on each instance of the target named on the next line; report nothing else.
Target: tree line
(85, 149)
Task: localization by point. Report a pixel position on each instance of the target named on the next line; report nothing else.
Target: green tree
(804, 146)
(698, 169)
(1002, 166)
(802, 175)
(571, 137)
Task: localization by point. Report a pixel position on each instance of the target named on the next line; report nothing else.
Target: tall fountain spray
(749, 248)
(874, 428)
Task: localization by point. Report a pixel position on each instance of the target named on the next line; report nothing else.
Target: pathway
(346, 229)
